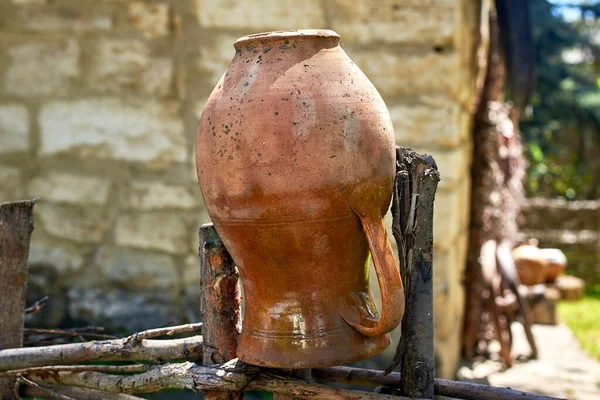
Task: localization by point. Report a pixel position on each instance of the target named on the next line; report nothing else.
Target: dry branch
(16, 225)
(232, 376)
(46, 390)
(74, 392)
(37, 306)
(76, 332)
(121, 369)
(472, 391)
(167, 331)
(412, 210)
(106, 350)
(356, 376)
(220, 304)
(299, 388)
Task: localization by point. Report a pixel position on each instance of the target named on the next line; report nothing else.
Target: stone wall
(573, 227)
(99, 102)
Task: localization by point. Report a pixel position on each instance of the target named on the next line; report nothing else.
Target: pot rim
(286, 34)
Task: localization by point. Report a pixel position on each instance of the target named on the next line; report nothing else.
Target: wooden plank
(220, 305)
(16, 225)
(412, 210)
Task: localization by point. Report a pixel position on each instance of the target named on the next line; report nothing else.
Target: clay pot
(532, 267)
(557, 262)
(296, 160)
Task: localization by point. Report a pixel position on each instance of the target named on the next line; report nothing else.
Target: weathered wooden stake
(16, 225)
(412, 210)
(220, 305)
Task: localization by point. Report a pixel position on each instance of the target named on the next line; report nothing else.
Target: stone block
(42, 68)
(11, 188)
(144, 196)
(191, 287)
(127, 64)
(72, 223)
(121, 309)
(216, 55)
(28, 2)
(14, 128)
(454, 165)
(390, 21)
(63, 187)
(66, 18)
(448, 291)
(448, 221)
(151, 19)
(191, 271)
(114, 129)
(268, 15)
(64, 260)
(157, 78)
(433, 121)
(44, 280)
(164, 232)
(133, 270)
(447, 354)
(398, 73)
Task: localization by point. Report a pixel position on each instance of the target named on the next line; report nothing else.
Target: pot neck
(288, 39)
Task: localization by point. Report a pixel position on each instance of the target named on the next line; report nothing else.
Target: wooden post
(412, 210)
(16, 225)
(220, 305)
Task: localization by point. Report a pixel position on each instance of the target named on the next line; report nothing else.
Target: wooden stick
(412, 210)
(16, 225)
(67, 332)
(298, 388)
(220, 304)
(107, 350)
(232, 376)
(236, 375)
(356, 376)
(47, 391)
(75, 392)
(472, 391)
(167, 331)
(37, 306)
(122, 369)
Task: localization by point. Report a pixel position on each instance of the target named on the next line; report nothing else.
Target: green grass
(583, 317)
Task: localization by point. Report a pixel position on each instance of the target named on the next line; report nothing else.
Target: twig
(37, 306)
(48, 391)
(167, 331)
(77, 392)
(472, 391)
(76, 332)
(231, 376)
(124, 369)
(299, 388)
(356, 376)
(106, 350)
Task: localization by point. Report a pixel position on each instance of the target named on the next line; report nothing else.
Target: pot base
(293, 351)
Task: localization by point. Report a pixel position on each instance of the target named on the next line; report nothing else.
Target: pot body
(291, 130)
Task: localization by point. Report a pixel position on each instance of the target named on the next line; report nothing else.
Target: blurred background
(99, 103)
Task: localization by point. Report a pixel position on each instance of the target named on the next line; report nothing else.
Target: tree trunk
(16, 225)
(496, 174)
(220, 305)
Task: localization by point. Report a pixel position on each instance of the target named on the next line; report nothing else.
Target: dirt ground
(562, 369)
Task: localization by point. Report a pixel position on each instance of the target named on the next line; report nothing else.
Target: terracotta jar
(296, 159)
(557, 263)
(532, 267)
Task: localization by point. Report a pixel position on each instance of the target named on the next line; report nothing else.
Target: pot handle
(388, 276)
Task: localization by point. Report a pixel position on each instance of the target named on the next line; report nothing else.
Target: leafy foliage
(562, 127)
